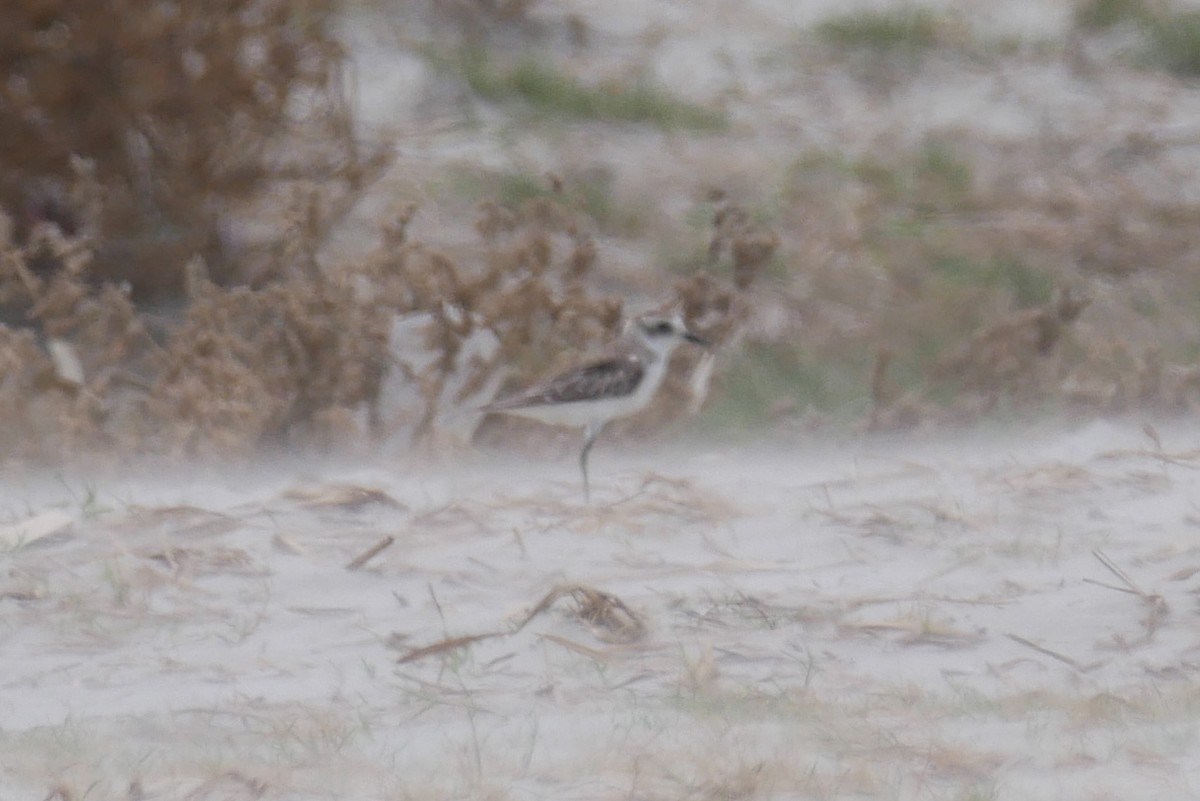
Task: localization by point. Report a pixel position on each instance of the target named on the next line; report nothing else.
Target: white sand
(828, 622)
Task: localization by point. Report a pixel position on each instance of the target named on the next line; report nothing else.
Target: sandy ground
(879, 619)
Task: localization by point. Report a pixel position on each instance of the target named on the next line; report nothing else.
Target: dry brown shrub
(143, 141)
(1005, 355)
(1108, 216)
(185, 113)
(958, 280)
(147, 138)
(749, 245)
(300, 356)
(251, 367)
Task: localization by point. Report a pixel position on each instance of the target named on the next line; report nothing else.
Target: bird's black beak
(695, 340)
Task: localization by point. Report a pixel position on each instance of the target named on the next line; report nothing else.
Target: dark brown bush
(184, 113)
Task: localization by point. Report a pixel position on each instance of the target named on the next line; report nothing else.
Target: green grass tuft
(938, 163)
(767, 375)
(550, 90)
(1171, 40)
(1173, 43)
(515, 188)
(590, 192)
(1029, 287)
(1105, 14)
(896, 30)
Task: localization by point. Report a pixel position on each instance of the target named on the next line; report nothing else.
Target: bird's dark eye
(661, 329)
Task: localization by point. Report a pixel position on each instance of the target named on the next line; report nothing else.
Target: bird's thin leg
(589, 438)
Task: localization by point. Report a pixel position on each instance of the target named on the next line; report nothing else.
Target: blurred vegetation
(172, 176)
(169, 192)
(184, 114)
(907, 30)
(588, 191)
(549, 90)
(1105, 14)
(1174, 42)
(1170, 37)
(1029, 287)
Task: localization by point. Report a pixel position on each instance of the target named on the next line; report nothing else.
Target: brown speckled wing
(610, 378)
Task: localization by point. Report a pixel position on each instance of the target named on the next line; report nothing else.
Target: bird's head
(663, 331)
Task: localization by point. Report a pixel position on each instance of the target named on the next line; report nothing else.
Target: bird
(618, 384)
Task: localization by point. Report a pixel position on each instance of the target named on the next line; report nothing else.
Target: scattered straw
(448, 644)
(608, 616)
(228, 786)
(342, 496)
(1066, 660)
(370, 553)
(1154, 604)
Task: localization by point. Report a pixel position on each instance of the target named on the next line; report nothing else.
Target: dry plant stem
(599, 609)
(589, 439)
(595, 607)
(1118, 572)
(579, 648)
(1066, 660)
(448, 644)
(1156, 606)
(255, 787)
(370, 553)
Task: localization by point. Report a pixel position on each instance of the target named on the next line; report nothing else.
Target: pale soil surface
(852, 620)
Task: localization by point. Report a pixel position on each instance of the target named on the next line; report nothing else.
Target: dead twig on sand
(607, 615)
(370, 553)
(600, 610)
(579, 648)
(1066, 660)
(1155, 605)
(1129, 587)
(350, 497)
(1189, 459)
(448, 644)
(248, 787)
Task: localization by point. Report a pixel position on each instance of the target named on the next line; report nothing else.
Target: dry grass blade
(917, 630)
(289, 545)
(35, 528)
(702, 671)
(1156, 606)
(342, 496)
(1150, 431)
(448, 644)
(1183, 574)
(579, 648)
(1130, 587)
(600, 610)
(744, 782)
(1188, 459)
(1066, 660)
(216, 788)
(608, 612)
(677, 497)
(22, 593)
(211, 560)
(370, 553)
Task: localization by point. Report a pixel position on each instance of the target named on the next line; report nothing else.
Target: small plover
(618, 384)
